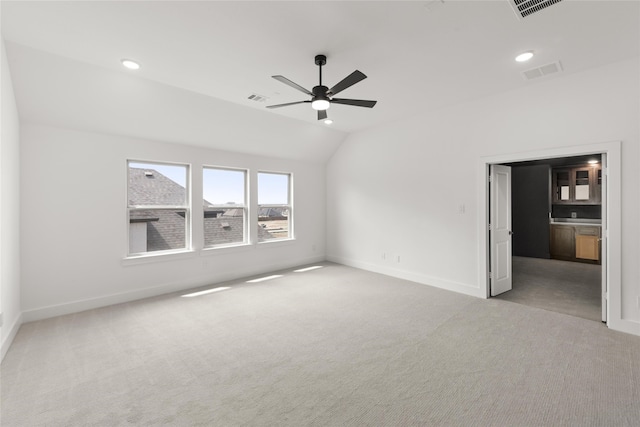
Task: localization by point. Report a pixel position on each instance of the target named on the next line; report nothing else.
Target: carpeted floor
(335, 346)
(572, 288)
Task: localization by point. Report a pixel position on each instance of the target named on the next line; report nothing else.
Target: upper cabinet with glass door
(577, 186)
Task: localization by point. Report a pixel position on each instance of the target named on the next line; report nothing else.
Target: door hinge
(490, 275)
(489, 178)
(489, 227)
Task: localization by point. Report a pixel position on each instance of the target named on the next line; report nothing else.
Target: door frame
(611, 227)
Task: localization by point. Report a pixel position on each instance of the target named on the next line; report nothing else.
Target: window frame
(187, 208)
(288, 206)
(244, 207)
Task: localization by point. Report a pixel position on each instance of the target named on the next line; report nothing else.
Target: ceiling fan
(322, 96)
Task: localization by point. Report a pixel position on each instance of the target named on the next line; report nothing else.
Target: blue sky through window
(223, 186)
(273, 188)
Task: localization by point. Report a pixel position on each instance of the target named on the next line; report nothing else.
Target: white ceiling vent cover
(543, 71)
(257, 98)
(524, 8)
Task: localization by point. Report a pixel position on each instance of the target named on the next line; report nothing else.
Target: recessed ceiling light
(328, 121)
(132, 65)
(593, 162)
(525, 56)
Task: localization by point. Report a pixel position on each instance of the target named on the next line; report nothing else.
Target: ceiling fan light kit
(321, 96)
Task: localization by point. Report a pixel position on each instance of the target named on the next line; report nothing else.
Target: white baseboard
(9, 338)
(627, 326)
(165, 288)
(620, 325)
(462, 288)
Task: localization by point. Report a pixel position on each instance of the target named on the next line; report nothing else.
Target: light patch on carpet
(304, 270)
(208, 291)
(264, 279)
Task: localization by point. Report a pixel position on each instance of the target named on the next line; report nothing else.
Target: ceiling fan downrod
(320, 61)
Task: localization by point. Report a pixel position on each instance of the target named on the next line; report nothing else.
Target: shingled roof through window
(151, 188)
(166, 228)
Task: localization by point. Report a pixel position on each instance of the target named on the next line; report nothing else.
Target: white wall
(9, 209)
(398, 189)
(74, 223)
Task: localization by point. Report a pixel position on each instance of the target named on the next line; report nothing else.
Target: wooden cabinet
(588, 243)
(562, 242)
(575, 243)
(577, 185)
(561, 179)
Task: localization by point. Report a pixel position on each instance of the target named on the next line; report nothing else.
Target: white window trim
(244, 207)
(158, 256)
(288, 206)
(141, 257)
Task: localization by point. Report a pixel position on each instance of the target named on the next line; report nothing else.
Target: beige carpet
(335, 346)
(563, 286)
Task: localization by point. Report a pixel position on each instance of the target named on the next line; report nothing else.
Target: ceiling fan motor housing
(321, 60)
(320, 92)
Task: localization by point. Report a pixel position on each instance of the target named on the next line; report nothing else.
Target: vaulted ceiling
(202, 60)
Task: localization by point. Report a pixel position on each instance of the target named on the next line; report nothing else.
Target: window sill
(157, 257)
(216, 250)
(277, 242)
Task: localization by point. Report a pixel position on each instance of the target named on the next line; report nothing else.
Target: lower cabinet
(575, 243)
(563, 242)
(588, 247)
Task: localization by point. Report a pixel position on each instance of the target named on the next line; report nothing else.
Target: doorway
(550, 271)
(610, 270)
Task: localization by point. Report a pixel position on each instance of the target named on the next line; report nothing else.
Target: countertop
(576, 221)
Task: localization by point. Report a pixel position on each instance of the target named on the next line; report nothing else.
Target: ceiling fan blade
(348, 81)
(355, 102)
(288, 103)
(292, 84)
(322, 114)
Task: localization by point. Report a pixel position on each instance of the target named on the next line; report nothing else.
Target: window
(158, 207)
(275, 211)
(225, 206)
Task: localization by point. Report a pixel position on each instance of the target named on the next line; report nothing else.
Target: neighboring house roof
(279, 213)
(233, 212)
(166, 228)
(150, 187)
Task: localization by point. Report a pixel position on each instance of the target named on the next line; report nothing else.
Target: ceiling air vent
(257, 98)
(524, 8)
(545, 70)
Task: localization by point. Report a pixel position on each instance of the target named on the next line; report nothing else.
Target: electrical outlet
(2, 317)
(398, 258)
(384, 255)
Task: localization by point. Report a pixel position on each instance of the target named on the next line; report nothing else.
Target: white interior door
(500, 229)
(603, 236)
